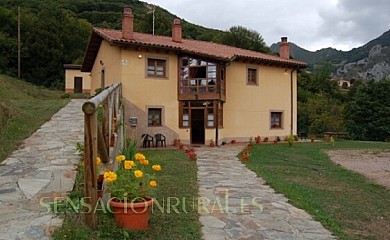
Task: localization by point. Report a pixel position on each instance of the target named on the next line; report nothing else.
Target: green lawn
(177, 183)
(343, 201)
(23, 109)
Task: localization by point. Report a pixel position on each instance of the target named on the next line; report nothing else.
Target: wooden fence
(103, 118)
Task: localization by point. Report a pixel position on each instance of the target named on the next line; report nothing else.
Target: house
(75, 80)
(194, 90)
(344, 83)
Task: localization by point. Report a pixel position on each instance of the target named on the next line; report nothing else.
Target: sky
(311, 24)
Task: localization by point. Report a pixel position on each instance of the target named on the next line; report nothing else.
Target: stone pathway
(236, 204)
(43, 167)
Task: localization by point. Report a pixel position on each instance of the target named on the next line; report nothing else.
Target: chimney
(127, 23)
(284, 49)
(176, 30)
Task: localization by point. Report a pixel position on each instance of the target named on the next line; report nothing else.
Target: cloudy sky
(312, 24)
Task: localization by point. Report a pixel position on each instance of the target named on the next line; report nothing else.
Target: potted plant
(176, 142)
(245, 154)
(266, 139)
(312, 137)
(191, 153)
(212, 144)
(233, 141)
(131, 186)
(258, 139)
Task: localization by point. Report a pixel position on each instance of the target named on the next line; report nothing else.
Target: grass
(345, 202)
(176, 181)
(23, 109)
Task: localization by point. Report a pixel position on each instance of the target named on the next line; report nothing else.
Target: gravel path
(374, 164)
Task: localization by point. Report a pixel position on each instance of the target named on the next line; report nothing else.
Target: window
(276, 120)
(154, 117)
(252, 76)
(157, 68)
(197, 76)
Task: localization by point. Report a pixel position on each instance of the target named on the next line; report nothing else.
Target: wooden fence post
(94, 143)
(90, 181)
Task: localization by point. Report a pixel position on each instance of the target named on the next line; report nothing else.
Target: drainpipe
(292, 100)
(217, 125)
(218, 102)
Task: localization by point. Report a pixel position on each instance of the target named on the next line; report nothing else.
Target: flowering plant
(134, 178)
(191, 153)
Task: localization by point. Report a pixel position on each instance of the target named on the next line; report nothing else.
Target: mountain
(370, 61)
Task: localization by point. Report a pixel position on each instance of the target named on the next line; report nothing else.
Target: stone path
(236, 204)
(43, 167)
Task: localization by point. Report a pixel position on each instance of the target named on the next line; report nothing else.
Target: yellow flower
(138, 174)
(128, 164)
(98, 161)
(153, 183)
(110, 176)
(144, 162)
(139, 156)
(156, 168)
(120, 158)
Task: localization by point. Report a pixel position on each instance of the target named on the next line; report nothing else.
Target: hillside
(370, 61)
(63, 28)
(23, 108)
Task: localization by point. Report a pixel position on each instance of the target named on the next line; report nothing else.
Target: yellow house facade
(193, 90)
(75, 80)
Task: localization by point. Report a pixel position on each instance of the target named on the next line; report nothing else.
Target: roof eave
(278, 63)
(91, 52)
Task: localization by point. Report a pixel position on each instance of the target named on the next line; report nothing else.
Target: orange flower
(120, 158)
(110, 176)
(128, 164)
(138, 174)
(156, 168)
(144, 162)
(153, 183)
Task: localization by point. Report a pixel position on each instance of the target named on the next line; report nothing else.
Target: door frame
(78, 84)
(202, 141)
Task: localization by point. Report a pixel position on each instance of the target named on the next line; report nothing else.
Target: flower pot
(133, 216)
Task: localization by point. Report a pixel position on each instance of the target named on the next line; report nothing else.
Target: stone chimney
(127, 23)
(176, 30)
(284, 49)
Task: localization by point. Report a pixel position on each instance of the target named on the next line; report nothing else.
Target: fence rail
(103, 118)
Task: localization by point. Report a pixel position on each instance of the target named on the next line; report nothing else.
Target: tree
(320, 105)
(325, 114)
(242, 37)
(368, 114)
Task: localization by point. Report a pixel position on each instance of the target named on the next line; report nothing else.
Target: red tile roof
(196, 47)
